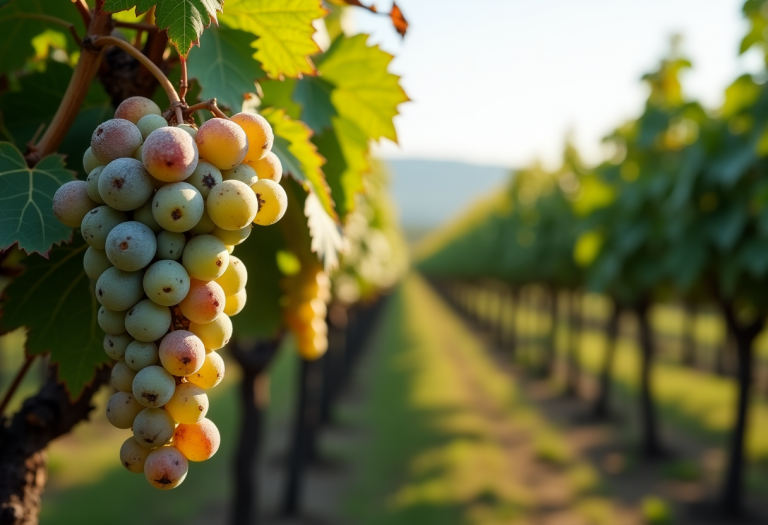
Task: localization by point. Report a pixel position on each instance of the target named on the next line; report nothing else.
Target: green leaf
(277, 94)
(284, 30)
(34, 104)
(19, 27)
(313, 94)
(366, 93)
(345, 149)
(293, 146)
(26, 201)
(54, 301)
(184, 20)
(224, 67)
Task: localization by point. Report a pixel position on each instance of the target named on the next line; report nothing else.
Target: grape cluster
(162, 209)
(307, 295)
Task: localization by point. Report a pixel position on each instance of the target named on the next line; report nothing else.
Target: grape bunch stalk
(306, 297)
(162, 210)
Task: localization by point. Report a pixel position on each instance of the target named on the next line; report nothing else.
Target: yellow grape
(234, 277)
(235, 303)
(215, 334)
(222, 143)
(269, 167)
(205, 258)
(198, 441)
(232, 237)
(272, 202)
(232, 205)
(165, 468)
(242, 172)
(210, 374)
(189, 404)
(259, 132)
(204, 225)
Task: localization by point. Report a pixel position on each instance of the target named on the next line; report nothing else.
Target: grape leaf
(313, 94)
(345, 149)
(327, 241)
(294, 148)
(34, 104)
(284, 30)
(66, 327)
(365, 92)
(224, 67)
(19, 26)
(184, 20)
(26, 197)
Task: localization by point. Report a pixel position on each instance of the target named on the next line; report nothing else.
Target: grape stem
(139, 26)
(53, 20)
(102, 41)
(209, 104)
(16, 382)
(85, 13)
(183, 84)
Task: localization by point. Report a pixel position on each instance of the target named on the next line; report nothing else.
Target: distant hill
(428, 193)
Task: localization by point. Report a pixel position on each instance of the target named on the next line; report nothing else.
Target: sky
(502, 82)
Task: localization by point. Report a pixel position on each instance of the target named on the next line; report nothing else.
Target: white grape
(122, 376)
(92, 184)
(97, 224)
(205, 177)
(133, 455)
(153, 386)
(153, 427)
(124, 184)
(95, 262)
(122, 409)
(144, 216)
(166, 283)
(148, 321)
(115, 345)
(170, 245)
(119, 290)
(205, 257)
(131, 246)
(149, 123)
(178, 207)
(111, 322)
(140, 355)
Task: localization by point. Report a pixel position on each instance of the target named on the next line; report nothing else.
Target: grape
(259, 132)
(230, 249)
(111, 322)
(210, 374)
(97, 224)
(232, 237)
(242, 172)
(272, 202)
(138, 155)
(165, 468)
(205, 225)
(153, 386)
(133, 455)
(170, 154)
(269, 167)
(153, 427)
(178, 207)
(115, 345)
(189, 129)
(125, 185)
(114, 139)
(189, 404)
(170, 245)
(235, 303)
(145, 217)
(198, 441)
(131, 246)
(122, 376)
(234, 277)
(205, 258)
(95, 261)
(182, 353)
(122, 409)
(232, 205)
(166, 283)
(92, 184)
(135, 108)
(140, 355)
(215, 334)
(90, 162)
(71, 203)
(148, 321)
(204, 302)
(222, 143)
(205, 177)
(149, 123)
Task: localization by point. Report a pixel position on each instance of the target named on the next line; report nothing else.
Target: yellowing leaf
(284, 30)
(595, 194)
(327, 241)
(587, 247)
(366, 92)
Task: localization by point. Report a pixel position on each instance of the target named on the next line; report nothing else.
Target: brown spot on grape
(149, 397)
(99, 131)
(200, 408)
(185, 360)
(219, 263)
(127, 464)
(163, 481)
(101, 292)
(176, 214)
(124, 245)
(118, 183)
(94, 211)
(149, 440)
(169, 163)
(216, 303)
(167, 289)
(209, 181)
(176, 463)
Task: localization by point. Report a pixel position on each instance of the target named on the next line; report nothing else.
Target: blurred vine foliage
(326, 106)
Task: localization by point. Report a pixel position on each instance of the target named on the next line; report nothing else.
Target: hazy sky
(502, 81)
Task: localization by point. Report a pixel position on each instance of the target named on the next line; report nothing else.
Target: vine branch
(139, 26)
(101, 41)
(16, 382)
(85, 13)
(209, 104)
